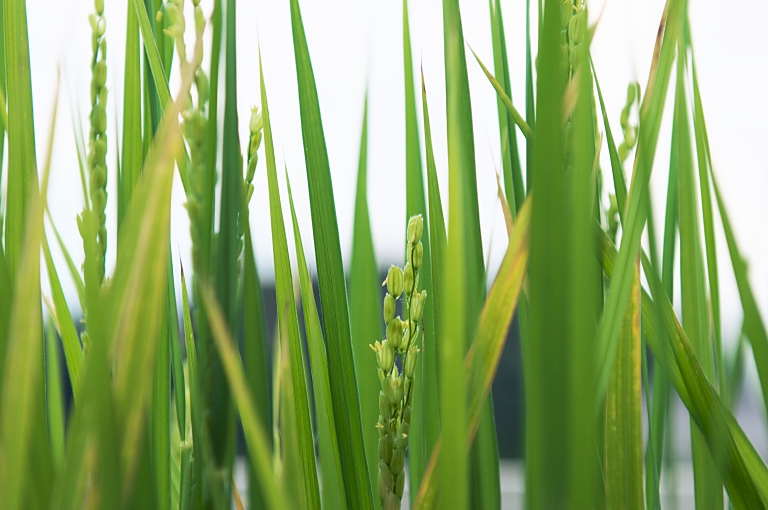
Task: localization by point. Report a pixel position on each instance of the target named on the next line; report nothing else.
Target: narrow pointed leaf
(333, 296)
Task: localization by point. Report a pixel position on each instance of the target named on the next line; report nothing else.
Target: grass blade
(461, 313)
(256, 355)
(482, 360)
(623, 462)
(22, 164)
(132, 151)
(505, 100)
(73, 353)
(330, 270)
(437, 242)
(23, 395)
(513, 176)
(288, 324)
(255, 436)
(547, 432)
(364, 309)
(195, 398)
(708, 491)
(636, 209)
(330, 462)
(744, 473)
(424, 421)
(54, 397)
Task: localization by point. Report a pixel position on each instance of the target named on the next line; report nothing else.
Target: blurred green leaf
(22, 164)
(73, 353)
(255, 435)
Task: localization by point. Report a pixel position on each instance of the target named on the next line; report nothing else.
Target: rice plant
(161, 389)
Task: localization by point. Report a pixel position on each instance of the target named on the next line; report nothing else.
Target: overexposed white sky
(354, 43)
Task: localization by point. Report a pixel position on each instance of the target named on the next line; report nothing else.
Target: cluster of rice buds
(195, 120)
(629, 129)
(399, 348)
(97, 143)
(254, 142)
(573, 25)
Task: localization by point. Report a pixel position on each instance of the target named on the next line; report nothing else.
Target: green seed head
(415, 228)
(398, 461)
(385, 449)
(389, 387)
(256, 121)
(199, 19)
(387, 356)
(381, 426)
(201, 82)
(407, 415)
(403, 430)
(99, 149)
(410, 362)
(408, 279)
(100, 74)
(383, 407)
(391, 502)
(417, 256)
(99, 4)
(99, 119)
(400, 484)
(395, 281)
(385, 478)
(576, 27)
(389, 308)
(395, 333)
(566, 11)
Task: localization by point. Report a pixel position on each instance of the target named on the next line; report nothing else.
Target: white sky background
(353, 43)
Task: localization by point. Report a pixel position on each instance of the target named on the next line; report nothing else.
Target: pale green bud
(415, 228)
(201, 81)
(99, 4)
(408, 279)
(395, 281)
(100, 74)
(400, 484)
(98, 177)
(389, 308)
(382, 427)
(199, 19)
(385, 449)
(403, 430)
(99, 149)
(256, 121)
(566, 11)
(417, 256)
(391, 502)
(576, 57)
(398, 461)
(99, 119)
(385, 478)
(632, 92)
(576, 27)
(383, 407)
(387, 356)
(410, 362)
(393, 387)
(395, 332)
